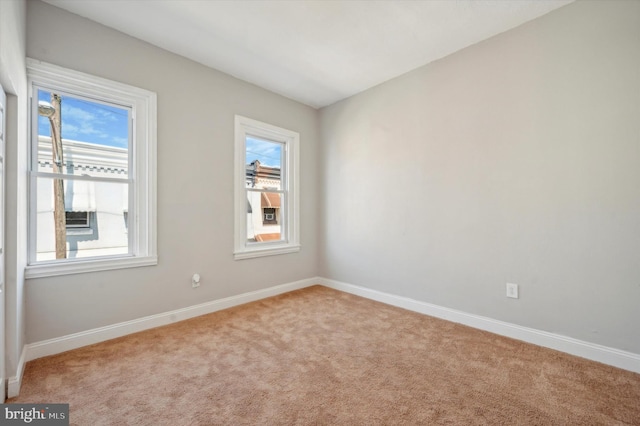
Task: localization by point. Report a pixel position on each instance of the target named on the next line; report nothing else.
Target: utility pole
(58, 184)
(52, 112)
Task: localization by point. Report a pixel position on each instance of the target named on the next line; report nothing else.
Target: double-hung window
(92, 203)
(266, 189)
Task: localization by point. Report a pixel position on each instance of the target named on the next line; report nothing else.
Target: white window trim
(242, 248)
(144, 114)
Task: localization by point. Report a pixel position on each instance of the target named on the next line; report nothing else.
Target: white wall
(196, 107)
(14, 81)
(514, 160)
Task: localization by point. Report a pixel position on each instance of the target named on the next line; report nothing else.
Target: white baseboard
(14, 383)
(96, 335)
(610, 356)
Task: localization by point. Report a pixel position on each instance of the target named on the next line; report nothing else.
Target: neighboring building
(96, 210)
(264, 212)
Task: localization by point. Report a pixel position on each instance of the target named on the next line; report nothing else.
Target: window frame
(142, 168)
(289, 211)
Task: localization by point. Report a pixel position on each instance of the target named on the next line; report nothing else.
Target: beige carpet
(319, 356)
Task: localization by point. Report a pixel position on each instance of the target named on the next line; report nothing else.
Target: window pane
(103, 205)
(263, 163)
(263, 171)
(264, 218)
(94, 136)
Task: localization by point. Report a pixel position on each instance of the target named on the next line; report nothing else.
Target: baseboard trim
(96, 335)
(14, 383)
(606, 355)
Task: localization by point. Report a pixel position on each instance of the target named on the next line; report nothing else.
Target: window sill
(83, 266)
(74, 232)
(265, 251)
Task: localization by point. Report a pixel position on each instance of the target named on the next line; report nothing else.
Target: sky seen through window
(87, 121)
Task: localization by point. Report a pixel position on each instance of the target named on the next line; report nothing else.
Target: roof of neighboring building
(268, 237)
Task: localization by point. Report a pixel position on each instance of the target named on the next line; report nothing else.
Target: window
(269, 216)
(266, 177)
(92, 162)
(77, 219)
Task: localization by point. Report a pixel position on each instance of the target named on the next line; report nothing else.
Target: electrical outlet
(512, 290)
(195, 280)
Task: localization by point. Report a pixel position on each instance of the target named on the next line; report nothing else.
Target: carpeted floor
(320, 356)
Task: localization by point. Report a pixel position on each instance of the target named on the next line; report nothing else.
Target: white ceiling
(314, 51)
